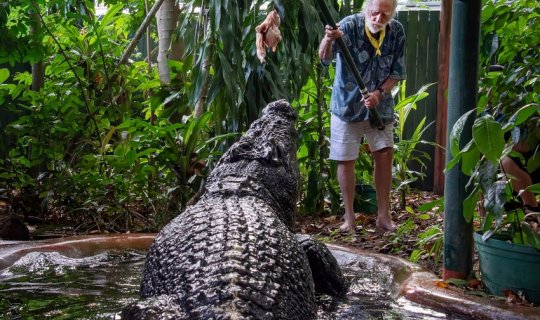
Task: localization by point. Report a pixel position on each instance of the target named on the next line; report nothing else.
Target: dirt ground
(418, 238)
(419, 229)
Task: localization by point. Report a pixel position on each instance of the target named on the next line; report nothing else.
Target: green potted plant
(366, 197)
(508, 113)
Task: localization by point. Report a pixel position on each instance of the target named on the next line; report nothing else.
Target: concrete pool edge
(410, 281)
(73, 246)
(420, 286)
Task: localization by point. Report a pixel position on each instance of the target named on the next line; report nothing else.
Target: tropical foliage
(405, 151)
(508, 111)
(107, 146)
(104, 144)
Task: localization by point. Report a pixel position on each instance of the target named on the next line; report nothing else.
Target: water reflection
(49, 285)
(372, 293)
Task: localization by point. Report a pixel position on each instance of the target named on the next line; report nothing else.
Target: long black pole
(374, 114)
(462, 97)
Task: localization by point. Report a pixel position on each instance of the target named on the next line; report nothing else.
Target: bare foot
(385, 222)
(349, 225)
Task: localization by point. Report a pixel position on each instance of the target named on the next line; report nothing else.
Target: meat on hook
(268, 34)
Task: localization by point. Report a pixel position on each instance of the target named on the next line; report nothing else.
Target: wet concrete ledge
(74, 247)
(420, 286)
(410, 281)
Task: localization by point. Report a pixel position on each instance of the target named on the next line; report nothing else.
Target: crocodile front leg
(325, 269)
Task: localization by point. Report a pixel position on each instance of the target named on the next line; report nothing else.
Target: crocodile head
(263, 162)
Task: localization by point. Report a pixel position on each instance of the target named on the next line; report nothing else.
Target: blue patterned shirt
(346, 102)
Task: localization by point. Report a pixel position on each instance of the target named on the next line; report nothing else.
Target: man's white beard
(375, 28)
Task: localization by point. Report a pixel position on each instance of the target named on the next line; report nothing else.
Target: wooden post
(442, 90)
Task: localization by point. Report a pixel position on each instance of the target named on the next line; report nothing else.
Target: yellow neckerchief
(376, 44)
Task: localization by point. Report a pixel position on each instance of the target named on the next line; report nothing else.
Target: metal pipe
(462, 97)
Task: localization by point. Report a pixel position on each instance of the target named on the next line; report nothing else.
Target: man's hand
(373, 99)
(325, 48)
(331, 33)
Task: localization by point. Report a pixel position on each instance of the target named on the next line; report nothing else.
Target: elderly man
(377, 44)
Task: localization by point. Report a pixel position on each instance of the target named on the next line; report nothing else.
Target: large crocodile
(233, 254)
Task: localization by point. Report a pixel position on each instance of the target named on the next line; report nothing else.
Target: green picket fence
(422, 42)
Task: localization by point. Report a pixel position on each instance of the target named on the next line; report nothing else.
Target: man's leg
(383, 184)
(520, 181)
(347, 184)
(345, 140)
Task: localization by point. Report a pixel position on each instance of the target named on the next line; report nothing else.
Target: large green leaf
(457, 129)
(469, 204)
(193, 133)
(4, 75)
(489, 137)
(109, 17)
(534, 188)
(533, 163)
(523, 114)
(106, 140)
(470, 158)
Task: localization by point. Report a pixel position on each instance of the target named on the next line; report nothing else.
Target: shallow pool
(51, 285)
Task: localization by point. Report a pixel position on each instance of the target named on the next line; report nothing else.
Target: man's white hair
(368, 4)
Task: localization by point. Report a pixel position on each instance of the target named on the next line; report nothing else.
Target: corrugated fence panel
(422, 36)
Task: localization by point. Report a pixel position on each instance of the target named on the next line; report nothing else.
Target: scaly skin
(233, 255)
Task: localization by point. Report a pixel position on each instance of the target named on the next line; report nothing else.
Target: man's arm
(325, 48)
(376, 96)
(388, 85)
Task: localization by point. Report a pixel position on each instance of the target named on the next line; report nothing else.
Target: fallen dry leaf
(331, 219)
(474, 284)
(511, 297)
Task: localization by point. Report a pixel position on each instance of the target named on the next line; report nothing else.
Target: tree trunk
(321, 105)
(140, 32)
(167, 21)
(38, 76)
(201, 102)
(38, 68)
(205, 72)
(148, 45)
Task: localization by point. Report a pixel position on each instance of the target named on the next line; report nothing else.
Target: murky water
(371, 294)
(51, 286)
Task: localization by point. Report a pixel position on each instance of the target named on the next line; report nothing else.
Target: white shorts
(346, 137)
